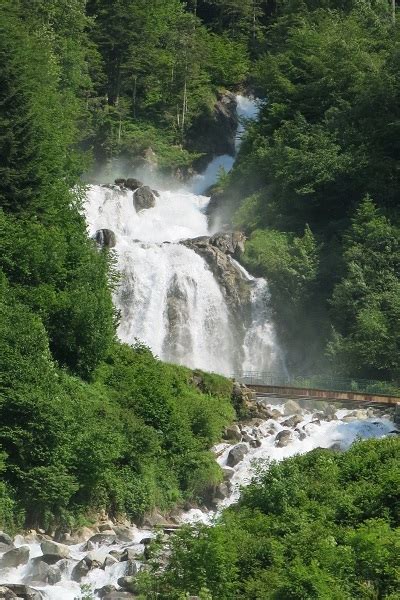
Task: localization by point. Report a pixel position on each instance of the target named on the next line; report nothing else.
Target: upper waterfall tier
(172, 296)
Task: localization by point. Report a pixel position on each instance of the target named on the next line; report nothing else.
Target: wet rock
(93, 560)
(5, 539)
(53, 575)
(80, 570)
(276, 414)
(146, 541)
(237, 454)
(291, 407)
(124, 533)
(231, 243)
(109, 561)
(131, 567)
(49, 559)
(330, 411)
(143, 198)
(107, 526)
(105, 238)
(87, 546)
(283, 438)
(106, 589)
(292, 421)
(7, 594)
(133, 184)
(236, 289)
(55, 549)
(106, 538)
(15, 557)
(228, 473)
(128, 583)
(233, 433)
(301, 434)
(222, 491)
(24, 592)
(128, 554)
(349, 419)
(42, 573)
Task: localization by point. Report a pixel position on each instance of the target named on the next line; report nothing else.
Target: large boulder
(291, 407)
(55, 549)
(233, 433)
(43, 573)
(105, 238)
(292, 421)
(237, 454)
(143, 198)
(15, 557)
(106, 538)
(7, 594)
(124, 533)
(131, 183)
(23, 592)
(5, 539)
(283, 438)
(128, 583)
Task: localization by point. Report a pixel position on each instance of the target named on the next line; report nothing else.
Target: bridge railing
(320, 382)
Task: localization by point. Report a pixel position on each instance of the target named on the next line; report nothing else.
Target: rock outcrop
(144, 198)
(217, 251)
(105, 238)
(237, 454)
(214, 132)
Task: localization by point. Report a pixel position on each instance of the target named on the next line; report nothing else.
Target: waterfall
(168, 297)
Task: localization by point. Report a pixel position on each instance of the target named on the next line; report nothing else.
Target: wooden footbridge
(333, 389)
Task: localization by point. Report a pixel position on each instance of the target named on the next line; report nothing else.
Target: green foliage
(321, 525)
(366, 301)
(86, 423)
(325, 138)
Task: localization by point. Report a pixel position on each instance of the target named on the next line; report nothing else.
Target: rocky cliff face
(214, 132)
(218, 251)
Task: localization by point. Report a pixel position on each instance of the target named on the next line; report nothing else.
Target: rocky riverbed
(104, 559)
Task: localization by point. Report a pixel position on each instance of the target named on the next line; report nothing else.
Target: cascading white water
(168, 297)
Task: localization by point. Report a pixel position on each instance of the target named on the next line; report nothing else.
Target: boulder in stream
(233, 433)
(105, 238)
(143, 198)
(291, 407)
(283, 438)
(55, 549)
(22, 592)
(15, 557)
(237, 454)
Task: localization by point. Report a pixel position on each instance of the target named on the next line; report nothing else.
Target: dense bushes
(135, 438)
(321, 526)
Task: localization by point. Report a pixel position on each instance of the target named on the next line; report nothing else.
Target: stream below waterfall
(192, 303)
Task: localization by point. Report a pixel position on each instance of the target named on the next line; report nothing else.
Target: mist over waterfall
(188, 311)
